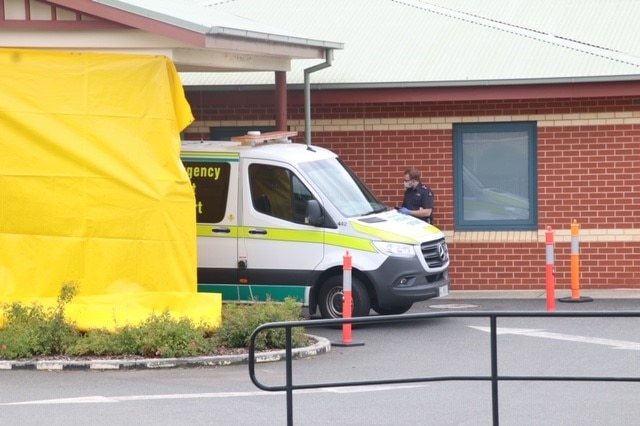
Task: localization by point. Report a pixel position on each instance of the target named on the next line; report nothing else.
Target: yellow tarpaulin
(92, 190)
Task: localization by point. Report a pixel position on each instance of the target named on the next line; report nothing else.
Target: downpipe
(307, 93)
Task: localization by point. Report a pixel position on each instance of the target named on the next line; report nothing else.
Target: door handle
(220, 230)
(258, 231)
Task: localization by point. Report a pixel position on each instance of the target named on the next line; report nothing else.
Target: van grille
(436, 253)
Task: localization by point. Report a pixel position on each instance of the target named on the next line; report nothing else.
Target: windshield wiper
(380, 210)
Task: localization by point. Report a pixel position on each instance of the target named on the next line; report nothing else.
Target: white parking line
(616, 344)
(98, 399)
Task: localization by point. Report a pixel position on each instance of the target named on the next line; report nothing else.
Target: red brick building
(520, 115)
(587, 161)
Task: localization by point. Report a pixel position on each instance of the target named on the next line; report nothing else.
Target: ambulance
(277, 219)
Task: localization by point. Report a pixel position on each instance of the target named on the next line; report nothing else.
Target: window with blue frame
(495, 176)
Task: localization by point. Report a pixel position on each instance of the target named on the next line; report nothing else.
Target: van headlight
(394, 249)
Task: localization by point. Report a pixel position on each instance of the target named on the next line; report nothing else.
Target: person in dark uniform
(418, 197)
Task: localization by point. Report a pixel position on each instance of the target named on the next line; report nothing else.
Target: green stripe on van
(249, 293)
(233, 157)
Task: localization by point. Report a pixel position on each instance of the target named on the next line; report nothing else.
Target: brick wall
(588, 171)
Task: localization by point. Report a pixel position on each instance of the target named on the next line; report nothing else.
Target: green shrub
(32, 331)
(159, 336)
(240, 320)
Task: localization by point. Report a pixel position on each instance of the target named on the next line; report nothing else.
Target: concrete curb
(321, 346)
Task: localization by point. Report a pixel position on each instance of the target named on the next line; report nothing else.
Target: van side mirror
(314, 213)
(316, 217)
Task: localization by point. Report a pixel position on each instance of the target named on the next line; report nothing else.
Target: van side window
(277, 192)
(210, 181)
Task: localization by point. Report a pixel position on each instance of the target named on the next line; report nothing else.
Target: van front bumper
(401, 281)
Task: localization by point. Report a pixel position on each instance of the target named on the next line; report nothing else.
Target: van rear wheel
(331, 298)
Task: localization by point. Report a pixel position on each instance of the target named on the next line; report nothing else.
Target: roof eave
(542, 88)
(254, 35)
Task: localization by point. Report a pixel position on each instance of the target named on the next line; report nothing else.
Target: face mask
(407, 184)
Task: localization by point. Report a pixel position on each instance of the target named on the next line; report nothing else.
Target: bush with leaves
(240, 320)
(159, 336)
(32, 331)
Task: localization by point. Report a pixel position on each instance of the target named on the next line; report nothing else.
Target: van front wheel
(393, 311)
(331, 297)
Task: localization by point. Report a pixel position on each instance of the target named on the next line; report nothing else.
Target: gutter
(211, 87)
(307, 93)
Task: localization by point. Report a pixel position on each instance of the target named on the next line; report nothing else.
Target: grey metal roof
(395, 43)
(608, 24)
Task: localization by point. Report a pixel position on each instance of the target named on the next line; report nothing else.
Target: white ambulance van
(275, 219)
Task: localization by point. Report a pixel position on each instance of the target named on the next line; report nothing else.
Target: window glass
(495, 176)
(341, 185)
(277, 192)
(210, 181)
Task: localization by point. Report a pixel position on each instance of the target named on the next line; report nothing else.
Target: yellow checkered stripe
(291, 235)
(392, 236)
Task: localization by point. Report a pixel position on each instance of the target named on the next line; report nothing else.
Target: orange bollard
(347, 302)
(575, 267)
(550, 273)
(348, 298)
(575, 260)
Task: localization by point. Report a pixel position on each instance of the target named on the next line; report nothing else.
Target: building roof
(413, 43)
(196, 37)
(197, 17)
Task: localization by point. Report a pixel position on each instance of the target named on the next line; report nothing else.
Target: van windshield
(343, 188)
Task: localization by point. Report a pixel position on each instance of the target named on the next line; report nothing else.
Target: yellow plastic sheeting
(91, 185)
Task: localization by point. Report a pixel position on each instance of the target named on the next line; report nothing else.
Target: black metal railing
(494, 377)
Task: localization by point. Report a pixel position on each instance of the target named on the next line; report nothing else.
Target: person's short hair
(413, 173)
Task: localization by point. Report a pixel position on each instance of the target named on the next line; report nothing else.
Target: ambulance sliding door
(278, 248)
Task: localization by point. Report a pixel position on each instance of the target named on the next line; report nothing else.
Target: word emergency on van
(210, 182)
(203, 171)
